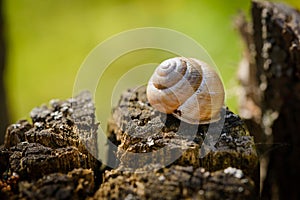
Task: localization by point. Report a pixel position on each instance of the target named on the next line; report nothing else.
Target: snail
(188, 88)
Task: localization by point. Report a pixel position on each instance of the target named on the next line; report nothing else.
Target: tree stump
(176, 182)
(139, 129)
(160, 157)
(52, 157)
(270, 75)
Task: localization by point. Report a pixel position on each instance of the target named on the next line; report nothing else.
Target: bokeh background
(48, 40)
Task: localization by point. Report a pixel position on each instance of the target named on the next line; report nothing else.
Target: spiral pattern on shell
(187, 88)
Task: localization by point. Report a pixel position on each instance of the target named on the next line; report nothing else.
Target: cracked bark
(52, 157)
(270, 75)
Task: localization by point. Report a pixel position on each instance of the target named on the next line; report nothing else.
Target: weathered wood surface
(270, 75)
(76, 184)
(52, 156)
(176, 182)
(48, 159)
(41, 155)
(139, 129)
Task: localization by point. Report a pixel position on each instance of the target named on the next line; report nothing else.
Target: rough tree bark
(52, 157)
(49, 157)
(228, 170)
(3, 105)
(270, 75)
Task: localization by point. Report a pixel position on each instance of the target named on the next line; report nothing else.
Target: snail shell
(188, 88)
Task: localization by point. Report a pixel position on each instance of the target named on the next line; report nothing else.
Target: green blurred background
(47, 40)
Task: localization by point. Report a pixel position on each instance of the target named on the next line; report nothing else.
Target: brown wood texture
(137, 128)
(52, 157)
(176, 182)
(270, 76)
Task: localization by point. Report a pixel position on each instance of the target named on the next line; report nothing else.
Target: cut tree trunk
(52, 158)
(162, 157)
(270, 76)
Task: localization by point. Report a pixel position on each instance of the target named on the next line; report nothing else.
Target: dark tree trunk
(162, 156)
(3, 105)
(272, 72)
(52, 158)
